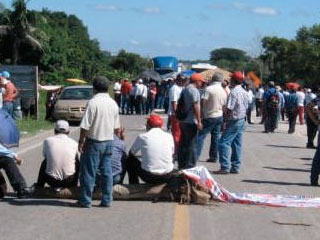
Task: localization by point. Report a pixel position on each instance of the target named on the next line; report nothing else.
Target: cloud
(147, 10)
(152, 10)
(111, 8)
(134, 42)
(217, 6)
(267, 11)
(175, 44)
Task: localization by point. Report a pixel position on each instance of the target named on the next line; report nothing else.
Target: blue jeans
(96, 156)
(125, 103)
(8, 107)
(213, 126)
(232, 137)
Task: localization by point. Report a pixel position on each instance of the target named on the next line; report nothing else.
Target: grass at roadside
(30, 126)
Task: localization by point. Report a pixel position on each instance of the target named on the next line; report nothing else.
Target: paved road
(272, 163)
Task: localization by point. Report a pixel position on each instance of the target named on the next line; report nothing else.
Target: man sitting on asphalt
(8, 161)
(157, 148)
(60, 169)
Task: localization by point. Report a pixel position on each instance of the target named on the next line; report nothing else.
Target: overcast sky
(187, 29)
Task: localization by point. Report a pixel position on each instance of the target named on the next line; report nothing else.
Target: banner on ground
(202, 176)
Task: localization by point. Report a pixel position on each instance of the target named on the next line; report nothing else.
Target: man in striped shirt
(232, 137)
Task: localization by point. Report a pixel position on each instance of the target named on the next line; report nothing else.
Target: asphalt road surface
(272, 163)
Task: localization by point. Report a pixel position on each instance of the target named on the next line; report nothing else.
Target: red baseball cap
(237, 76)
(197, 77)
(155, 121)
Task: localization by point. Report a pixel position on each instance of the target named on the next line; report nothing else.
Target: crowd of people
(196, 108)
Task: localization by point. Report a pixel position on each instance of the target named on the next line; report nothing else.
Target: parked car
(71, 103)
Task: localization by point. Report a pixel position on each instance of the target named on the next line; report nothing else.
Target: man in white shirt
(213, 101)
(60, 169)
(99, 123)
(250, 103)
(301, 96)
(259, 100)
(141, 93)
(174, 95)
(156, 147)
(117, 92)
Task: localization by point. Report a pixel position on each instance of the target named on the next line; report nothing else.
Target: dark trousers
(271, 118)
(139, 105)
(259, 107)
(117, 98)
(292, 119)
(311, 131)
(15, 177)
(132, 104)
(133, 166)
(315, 169)
(187, 152)
(44, 178)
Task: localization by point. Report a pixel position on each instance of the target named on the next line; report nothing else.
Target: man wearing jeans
(232, 137)
(99, 123)
(213, 101)
(187, 151)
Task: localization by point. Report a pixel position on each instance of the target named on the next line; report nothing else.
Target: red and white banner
(202, 176)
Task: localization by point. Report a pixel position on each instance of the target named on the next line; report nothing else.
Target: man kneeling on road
(60, 169)
(8, 161)
(157, 148)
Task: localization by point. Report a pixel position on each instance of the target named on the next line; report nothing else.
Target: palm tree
(18, 30)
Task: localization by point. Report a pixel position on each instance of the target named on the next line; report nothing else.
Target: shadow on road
(284, 146)
(276, 183)
(304, 158)
(36, 202)
(288, 169)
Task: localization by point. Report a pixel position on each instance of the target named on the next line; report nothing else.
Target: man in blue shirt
(8, 161)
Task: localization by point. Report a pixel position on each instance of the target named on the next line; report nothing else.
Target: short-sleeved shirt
(174, 95)
(301, 96)
(155, 157)
(101, 117)
(238, 102)
(60, 151)
(10, 91)
(215, 97)
(190, 95)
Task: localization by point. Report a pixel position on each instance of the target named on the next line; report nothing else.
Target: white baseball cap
(61, 126)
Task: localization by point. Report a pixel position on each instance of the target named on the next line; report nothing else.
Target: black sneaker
(234, 171)
(25, 192)
(311, 146)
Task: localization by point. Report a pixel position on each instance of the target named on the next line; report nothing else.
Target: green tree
(229, 58)
(130, 62)
(17, 33)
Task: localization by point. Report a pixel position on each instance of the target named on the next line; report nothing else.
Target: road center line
(181, 223)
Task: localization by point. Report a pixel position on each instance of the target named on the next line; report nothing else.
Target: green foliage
(229, 58)
(130, 62)
(68, 50)
(294, 60)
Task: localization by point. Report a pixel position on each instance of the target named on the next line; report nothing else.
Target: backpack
(181, 112)
(274, 101)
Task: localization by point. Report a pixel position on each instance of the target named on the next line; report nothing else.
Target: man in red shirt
(10, 92)
(125, 97)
